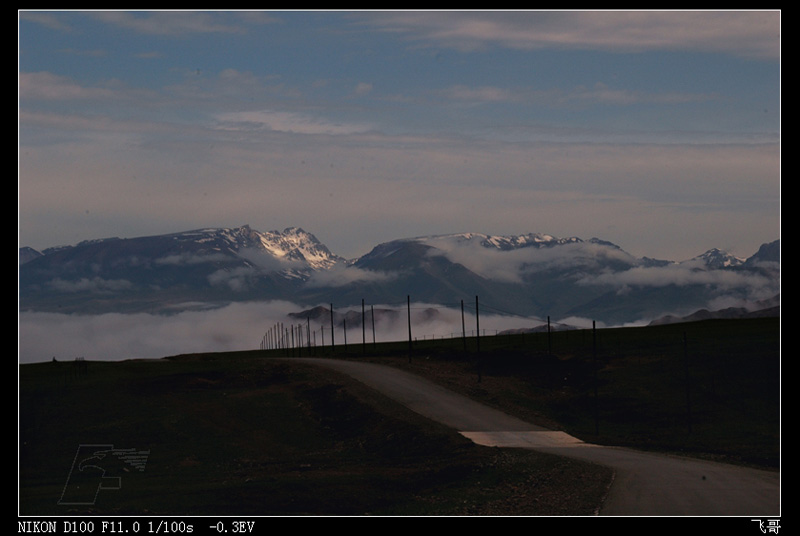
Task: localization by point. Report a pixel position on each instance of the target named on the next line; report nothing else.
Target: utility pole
(594, 363)
(409, 329)
(363, 329)
(688, 401)
(463, 328)
(372, 308)
(332, 330)
(299, 329)
(478, 324)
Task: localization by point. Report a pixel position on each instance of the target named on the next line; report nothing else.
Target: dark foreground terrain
(241, 433)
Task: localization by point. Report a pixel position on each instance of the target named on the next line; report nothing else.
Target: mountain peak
(717, 258)
(527, 274)
(500, 242)
(293, 243)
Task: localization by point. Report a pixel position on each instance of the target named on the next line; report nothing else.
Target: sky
(658, 131)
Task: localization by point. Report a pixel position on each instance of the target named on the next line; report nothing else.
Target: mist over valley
(223, 289)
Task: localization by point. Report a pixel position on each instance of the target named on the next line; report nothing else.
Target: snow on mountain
(503, 243)
(295, 244)
(717, 258)
(529, 274)
(164, 271)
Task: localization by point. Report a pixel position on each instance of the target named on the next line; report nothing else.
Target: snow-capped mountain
(291, 250)
(165, 271)
(503, 243)
(293, 245)
(296, 245)
(716, 258)
(528, 274)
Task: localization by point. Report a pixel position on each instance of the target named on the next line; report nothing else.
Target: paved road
(644, 483)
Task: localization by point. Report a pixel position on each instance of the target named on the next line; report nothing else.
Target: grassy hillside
(232, 434)
(710, 388)
(239, 433)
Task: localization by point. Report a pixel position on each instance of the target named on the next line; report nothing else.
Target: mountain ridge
(302, 238)
(530, 274)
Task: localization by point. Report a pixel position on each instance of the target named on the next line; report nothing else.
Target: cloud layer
(236, 327)
(656, 130)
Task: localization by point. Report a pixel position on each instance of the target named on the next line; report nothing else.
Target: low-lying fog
(240, 326)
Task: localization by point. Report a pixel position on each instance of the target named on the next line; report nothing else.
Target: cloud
(746, 33)
(121, 336)
(363, 88)
(48, 20)
(515, 264)
(93, 285)
(344, 275)
(144, 148)
(237, 279)
(577, 96)
(592, 264)
(171, 23)
(604, 94)
(49, 86)
(291, 122)
(131, 178)
(482, 94)
(235, 327)
(754, 285)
